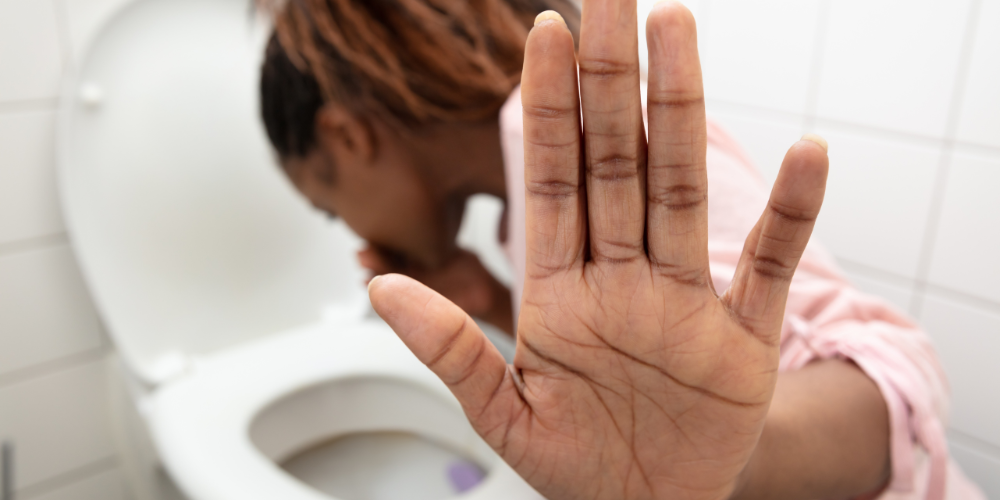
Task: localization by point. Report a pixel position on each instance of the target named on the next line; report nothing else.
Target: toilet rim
(204, 440)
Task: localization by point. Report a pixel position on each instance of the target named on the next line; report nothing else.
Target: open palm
(633, 378)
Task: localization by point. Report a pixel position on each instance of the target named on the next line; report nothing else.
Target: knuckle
(792, 214)
(448, 346)
(551, 188)
(615, 167)
(678, 197)
(604, 69)
(549, 112)
(549, 142)
(772, 268)
(665, 99)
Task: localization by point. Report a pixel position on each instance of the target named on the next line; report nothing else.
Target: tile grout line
(893, 279)
(976, 443)
(965, 298)
(887, 277)
(22, 105)
(34, 243)
(809, 117)
(55, 365)
(67, 478)
(762, 113)
(944, 166)
(65, 43)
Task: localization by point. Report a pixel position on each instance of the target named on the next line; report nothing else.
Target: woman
(633, 378)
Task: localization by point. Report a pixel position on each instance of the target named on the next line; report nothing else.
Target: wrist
(747, 483)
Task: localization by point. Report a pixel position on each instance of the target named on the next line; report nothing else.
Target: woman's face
(367, 175)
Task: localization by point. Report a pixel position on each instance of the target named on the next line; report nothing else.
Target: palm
(632, 378)
(672, 391)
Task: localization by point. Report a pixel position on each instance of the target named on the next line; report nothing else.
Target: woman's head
(359, 97)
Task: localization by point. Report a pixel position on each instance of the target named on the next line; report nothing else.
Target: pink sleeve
(512, 144)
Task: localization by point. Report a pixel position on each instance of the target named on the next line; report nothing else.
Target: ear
(344, 136)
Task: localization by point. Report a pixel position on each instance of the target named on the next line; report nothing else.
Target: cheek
(394, 212)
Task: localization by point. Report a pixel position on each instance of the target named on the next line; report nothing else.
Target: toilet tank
(188, 235)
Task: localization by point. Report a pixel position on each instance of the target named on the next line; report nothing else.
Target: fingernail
(549, 15)
(818, 140)
(372, 282)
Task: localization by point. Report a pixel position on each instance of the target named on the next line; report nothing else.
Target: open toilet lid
(186, 232)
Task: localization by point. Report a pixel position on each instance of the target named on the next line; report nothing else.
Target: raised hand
(633, 379)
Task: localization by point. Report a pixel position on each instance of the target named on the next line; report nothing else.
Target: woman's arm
(826, 436)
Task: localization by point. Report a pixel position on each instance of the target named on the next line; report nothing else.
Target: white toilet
(239, 312)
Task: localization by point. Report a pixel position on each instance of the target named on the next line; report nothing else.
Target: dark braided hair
(411, 62)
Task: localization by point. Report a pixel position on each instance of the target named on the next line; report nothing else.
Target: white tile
(967, 242)
(979, 121)
(892, 64)
(45, 310)
(644, 6)
(967, 341)
(877, 200)
(85, 18)
(760, 53)
(765, 139)
(28, 198)
(107, 485)
(58, 422)
(893, 293)
(30, 60)
(981, 467)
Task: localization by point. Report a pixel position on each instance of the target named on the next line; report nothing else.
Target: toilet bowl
(223, 429)
(239, 313)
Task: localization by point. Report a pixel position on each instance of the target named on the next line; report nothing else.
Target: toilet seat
(202, 423)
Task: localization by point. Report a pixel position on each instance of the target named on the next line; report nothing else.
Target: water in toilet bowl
(385, 466)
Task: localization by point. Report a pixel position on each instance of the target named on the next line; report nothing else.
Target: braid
(409, 61)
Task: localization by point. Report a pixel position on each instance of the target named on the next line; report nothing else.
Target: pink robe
(825, 317)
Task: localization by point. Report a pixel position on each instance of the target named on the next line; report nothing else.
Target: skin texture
(633, 378)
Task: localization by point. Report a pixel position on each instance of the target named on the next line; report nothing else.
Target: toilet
(252, 359)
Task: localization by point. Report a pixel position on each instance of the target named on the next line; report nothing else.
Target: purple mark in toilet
(464, 476)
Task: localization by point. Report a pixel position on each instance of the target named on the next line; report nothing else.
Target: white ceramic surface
(968, 340)
(967, 241)
(877, 201)
(29, 205)
(979, 121)
(59, 422)
(43, 293)
(892, 64)
(767, 62)
(221, 428)
(27, 75)
(189, 236)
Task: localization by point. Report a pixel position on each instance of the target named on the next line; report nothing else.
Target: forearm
(826, 436)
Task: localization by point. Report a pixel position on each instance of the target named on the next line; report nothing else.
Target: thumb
(449, 342)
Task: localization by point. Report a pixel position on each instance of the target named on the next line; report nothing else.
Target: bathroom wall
(904, 91)
(908, 94)
(54, 354)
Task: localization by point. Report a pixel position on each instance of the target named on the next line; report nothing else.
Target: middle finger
(615, 143)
